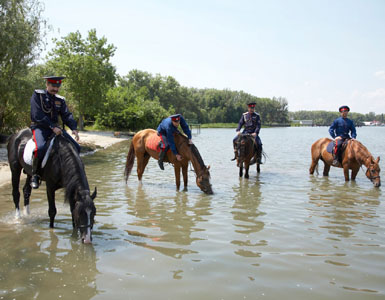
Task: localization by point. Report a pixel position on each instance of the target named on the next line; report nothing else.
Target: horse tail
(130, 161)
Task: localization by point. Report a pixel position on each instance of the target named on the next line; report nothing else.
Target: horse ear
(208, 167)
(378, 160)
(93, 196)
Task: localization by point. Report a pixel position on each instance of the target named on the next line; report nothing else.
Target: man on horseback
(252, 122)
(339, 130)
(166, 130)
(46, 106)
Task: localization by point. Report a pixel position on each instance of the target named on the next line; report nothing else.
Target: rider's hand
(254, 134)
(57, 130)
(238, 133)
(179, 157)
(76, 134)
(338, 138)
(190, 141)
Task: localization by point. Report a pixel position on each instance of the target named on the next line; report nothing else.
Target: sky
(317, 54)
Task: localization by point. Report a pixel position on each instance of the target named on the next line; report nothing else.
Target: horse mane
(71, 167)
(194, 150)
(361, 150)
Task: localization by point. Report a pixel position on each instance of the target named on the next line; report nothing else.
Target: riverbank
(90, 141)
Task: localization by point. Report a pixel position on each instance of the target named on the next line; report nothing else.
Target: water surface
(282, 234)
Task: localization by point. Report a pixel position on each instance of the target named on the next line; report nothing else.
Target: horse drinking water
(144, 145)
(64, 169)
(354, 156)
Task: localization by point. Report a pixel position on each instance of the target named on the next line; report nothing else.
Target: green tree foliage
(21, 28)
(90, 74)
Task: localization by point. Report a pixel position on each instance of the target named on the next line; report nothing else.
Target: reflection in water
(166, 226)
(246, 216)
(45, 266)
(342, 206)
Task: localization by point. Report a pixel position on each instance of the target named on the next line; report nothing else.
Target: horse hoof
(17, 214)
(26, 210)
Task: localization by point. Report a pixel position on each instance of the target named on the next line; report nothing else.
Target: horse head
(244, 146)
(84, 213)
(203, 181)
(373, 172)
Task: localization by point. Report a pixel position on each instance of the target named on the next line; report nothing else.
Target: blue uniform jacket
(166, 129)
(45, 109)
(341, 127)
(252, 123)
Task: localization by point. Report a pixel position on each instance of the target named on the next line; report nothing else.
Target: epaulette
(40, 91)
(256, 113)
(245, 113)
(60, 97)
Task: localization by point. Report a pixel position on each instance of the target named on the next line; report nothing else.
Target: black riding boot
(161, 158)
(235, 152)
(35, 177)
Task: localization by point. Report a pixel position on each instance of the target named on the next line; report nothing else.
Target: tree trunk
(81, 122)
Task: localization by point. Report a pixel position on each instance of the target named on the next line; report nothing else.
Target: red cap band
(54, 81)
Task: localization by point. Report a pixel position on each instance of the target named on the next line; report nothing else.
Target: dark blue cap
(344, 107)
(175, 117)
(54, 80)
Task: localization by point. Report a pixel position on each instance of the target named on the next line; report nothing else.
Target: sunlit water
(282, 234)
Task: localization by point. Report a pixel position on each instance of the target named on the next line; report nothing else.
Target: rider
(252, 122)
(46, 106)
(339, 130)
(166, 130)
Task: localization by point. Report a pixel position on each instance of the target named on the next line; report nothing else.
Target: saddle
(330, 147)
(30, 147)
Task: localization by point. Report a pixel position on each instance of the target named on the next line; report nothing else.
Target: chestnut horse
(354, 156)
(246, 151)
(141, 149)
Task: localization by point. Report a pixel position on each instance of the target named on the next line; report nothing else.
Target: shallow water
(282, 234)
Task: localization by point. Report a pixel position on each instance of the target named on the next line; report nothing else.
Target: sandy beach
(93, 140)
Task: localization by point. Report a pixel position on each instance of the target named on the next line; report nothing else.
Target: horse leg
(258, 168)
(241, 170)
(177, 176)
(51, 204)
(326, 169)
(354, 173)
(15, 191)
(346, 172)
(246, 170)
(313, 165)
(185, 177)
(27, 194)
(141, 162)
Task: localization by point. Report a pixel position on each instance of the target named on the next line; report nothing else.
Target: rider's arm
(67, 116)
(185, 128)
(240, 124)
(353, 130)
(332, 129)
(258, 128)
(171, 142)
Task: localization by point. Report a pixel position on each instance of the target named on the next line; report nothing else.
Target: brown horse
(246, 151)
(354, 156)
(141, 148)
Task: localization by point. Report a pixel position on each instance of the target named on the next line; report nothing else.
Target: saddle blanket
(330, 147)
(155, 142)
(28, 152)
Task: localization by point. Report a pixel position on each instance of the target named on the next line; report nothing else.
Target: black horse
(247, 153)
(64, 169)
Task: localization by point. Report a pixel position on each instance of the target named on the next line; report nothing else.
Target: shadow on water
(46, 265)
(165, 224)
(343, 207)
(246, 215)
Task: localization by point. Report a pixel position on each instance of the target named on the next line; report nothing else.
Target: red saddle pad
(153, 142)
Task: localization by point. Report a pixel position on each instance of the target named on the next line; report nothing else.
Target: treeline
(325, 118)
(95, 93)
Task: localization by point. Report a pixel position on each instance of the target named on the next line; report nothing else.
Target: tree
(88, 70)
(21, 30)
